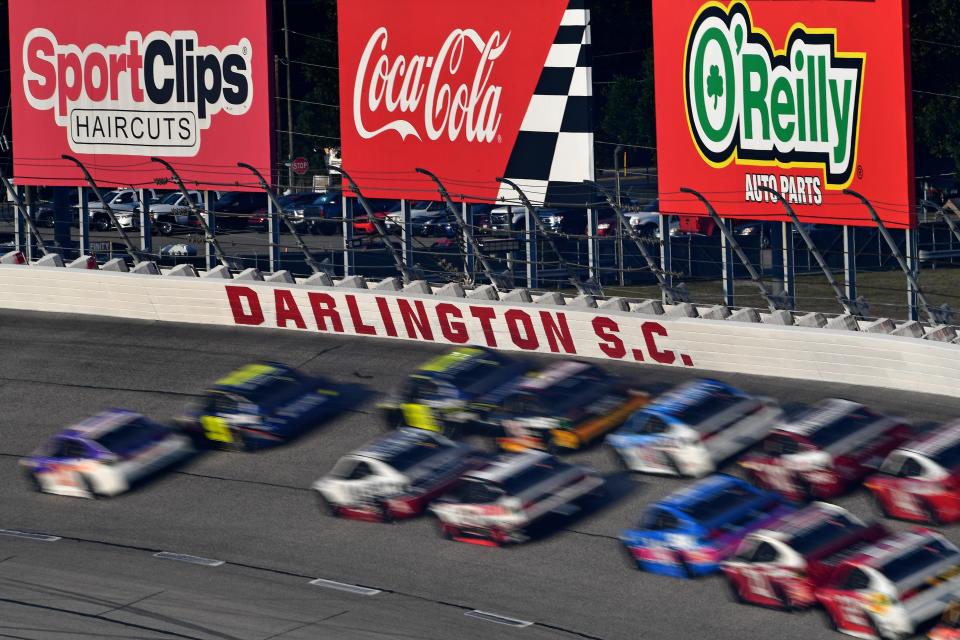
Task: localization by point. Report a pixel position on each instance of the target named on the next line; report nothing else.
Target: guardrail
(909, 356)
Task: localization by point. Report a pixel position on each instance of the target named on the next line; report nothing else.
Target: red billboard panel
(470, 91)
(114, 82)
(807, 97)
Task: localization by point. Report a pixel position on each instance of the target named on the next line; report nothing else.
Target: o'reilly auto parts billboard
(114, 82)
(807, 97)
(469, 90)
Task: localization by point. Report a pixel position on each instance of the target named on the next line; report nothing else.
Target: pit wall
(845, 351)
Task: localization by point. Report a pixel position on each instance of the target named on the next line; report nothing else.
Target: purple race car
(104, 454)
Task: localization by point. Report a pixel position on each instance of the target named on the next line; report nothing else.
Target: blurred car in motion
(782, 565)
(104, 455)
(825, 451)
(690, 430)
(691, 531)
(920, 481)
(567, 405)
(496, 504)
(949, 626)
(450, 392)
(395, 476)
(890, 588)
(261, 404)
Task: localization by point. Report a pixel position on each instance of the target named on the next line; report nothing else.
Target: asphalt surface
(255, 513)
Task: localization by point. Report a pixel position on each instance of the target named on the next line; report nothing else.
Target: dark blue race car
(261, 404)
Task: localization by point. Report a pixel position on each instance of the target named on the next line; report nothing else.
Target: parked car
(233, 209)
(498, 503)
(395, 476)
(920, 481)
(890, 588)
(826, 451)
(173, 212)
(692, 429)
(782, 565)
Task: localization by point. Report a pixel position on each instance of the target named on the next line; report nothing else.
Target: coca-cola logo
(448, 94)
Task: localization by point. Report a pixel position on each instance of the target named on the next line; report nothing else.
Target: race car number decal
(216, 429)
(419, 416)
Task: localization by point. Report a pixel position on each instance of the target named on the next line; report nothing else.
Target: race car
(261, 404)
(890, 588)
(826, 451)
(949, 626)
(451, 392)
(921, 480)
(567, 405)
(395, 476)
(693, 428)
(782, 565)
(495, 505)
(690, 532)
(104, 455)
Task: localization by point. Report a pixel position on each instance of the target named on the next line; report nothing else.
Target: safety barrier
(881, 353)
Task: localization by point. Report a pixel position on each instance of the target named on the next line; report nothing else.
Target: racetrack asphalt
(255, 512)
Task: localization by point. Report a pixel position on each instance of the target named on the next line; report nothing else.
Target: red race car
(825, 451)
(920, 481)
(782, 565)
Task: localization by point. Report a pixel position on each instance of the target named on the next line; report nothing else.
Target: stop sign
(300, 166)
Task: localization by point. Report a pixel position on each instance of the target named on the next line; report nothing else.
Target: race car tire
(880, 505)
(393, 419)
(735, 594)
(930, 513)
(674, 467)
(447, 532)
(785, 602)
(383, 512)
(618, 461)
(239, 443)
(34, 481)
(631, 560)
(326, 506)
(684, 567)
(880, 634)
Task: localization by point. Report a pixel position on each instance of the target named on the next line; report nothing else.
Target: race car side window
(655, 424)
(856, 581)
(658, 520)
(910, 469)
(73, 449)
(765, 553)
(224, 404)
(361, 471)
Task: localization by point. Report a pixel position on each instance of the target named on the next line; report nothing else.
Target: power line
(307, 35)
(319, 104)
(629, 146)
(941, 95)
(312, 64)
(939, 44)
(309, 135)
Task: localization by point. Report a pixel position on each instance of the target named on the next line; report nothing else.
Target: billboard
(808, 97)
(114, 82)
(471, 91)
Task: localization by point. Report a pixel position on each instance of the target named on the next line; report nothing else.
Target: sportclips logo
(444, 95)
(149, 95)
(752, 104)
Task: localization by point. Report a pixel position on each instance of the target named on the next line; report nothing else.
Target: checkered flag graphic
(553, 154)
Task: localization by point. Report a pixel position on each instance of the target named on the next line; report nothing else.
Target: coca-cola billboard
(469, 91)
(184, 84)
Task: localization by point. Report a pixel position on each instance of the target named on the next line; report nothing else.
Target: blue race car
(261, 404)
(693, 428)
(690, 532)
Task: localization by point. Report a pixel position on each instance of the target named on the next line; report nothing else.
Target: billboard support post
(22, 210)
(671, 294)
(728, 278)
(936, 315)
(789, 260)
(83, 213)
(542, 229)
(134, 253)
(856, 307)
(406, 234)
(497, 280)
(346, 208)
(207, 224)
(530, 239)
(850, 262)
(274, 208)
(468, 255)
(146, 237)
(774, 302)
(666, 256)
(911, 258)
(273, 237)
(378, 224)
(593, 246)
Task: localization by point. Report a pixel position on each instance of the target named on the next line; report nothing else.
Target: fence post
(912, 264)
(726, 263)
(850, 262)
(209, 250)
(83, 213)
(348, 260)
(593, 245)
(146, 237)
(406, 234)
(666, 257)
(530, 239)
(468, 255)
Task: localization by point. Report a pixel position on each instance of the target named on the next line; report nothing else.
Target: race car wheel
(326, 506)
(238, 442)
(393, 419)
(383, 512)
(84, 483)
(684, 567)
(930, 513)
(619, 463)
(785, 602)
(631, 560)
(447, 532)
(34, 481)
(672, 463)
(735, 593)
(881, 506)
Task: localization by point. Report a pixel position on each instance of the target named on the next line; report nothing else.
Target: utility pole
(286, 54)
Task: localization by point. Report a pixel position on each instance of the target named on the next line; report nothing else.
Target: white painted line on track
(183, 557)
(41, 537)
(343, 586)
(497, 618)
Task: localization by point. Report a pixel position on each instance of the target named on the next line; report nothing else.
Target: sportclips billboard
(113, 82)
(470, 91)
(807, 97)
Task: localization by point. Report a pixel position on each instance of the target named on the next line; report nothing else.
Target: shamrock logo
(714, 84)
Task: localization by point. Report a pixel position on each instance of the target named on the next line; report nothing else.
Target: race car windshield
(485, 375)
(836, 430)
(130, 436)
(412, 456)
(717, 504)
(529, 477)
(780, 445)
(824, 534)
(917, 560)
(706, 407)
(569, 394)
(476, 492)
(275, 390)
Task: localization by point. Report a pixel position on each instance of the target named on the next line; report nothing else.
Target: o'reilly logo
(151, 94)
(750, 103)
